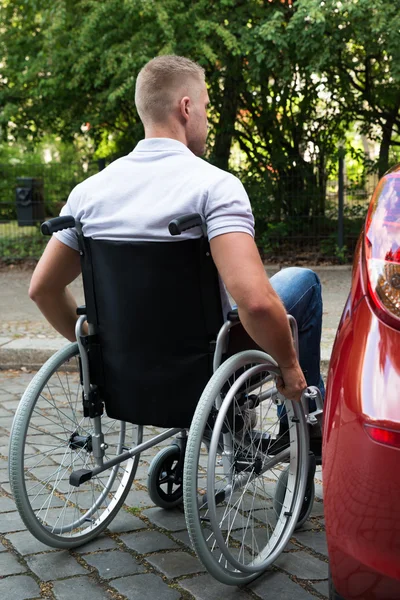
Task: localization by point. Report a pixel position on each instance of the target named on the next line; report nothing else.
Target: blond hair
(159, 83)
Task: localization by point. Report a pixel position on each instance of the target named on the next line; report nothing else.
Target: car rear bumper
(362, 477)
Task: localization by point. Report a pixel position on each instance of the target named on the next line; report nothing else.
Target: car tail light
(388, 437)
(382, 249)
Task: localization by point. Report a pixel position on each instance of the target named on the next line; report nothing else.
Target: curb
(33, 353)
(28, 353)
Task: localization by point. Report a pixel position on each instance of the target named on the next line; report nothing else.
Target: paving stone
(312, 525)
(317, 509)
(54, 565)
(175, 564)
(6, 504)
(319, 492)
(126, 522)
(25, 543)
(9, 564)
(322, 588)
(16, 588)
(290, 546)
(79, 587)
(302, 565)
(13, 522)
(6, 487)
(114, 564)
(5, 423)
(183, 536)
(277, 585)
(138, 498)
(13, 404)
(4, 476)
(206, 587)
(101, 543)
(174, 520)
(313, 539)
(5, 413)
(142, 471)
(144, 587)
(148, 541)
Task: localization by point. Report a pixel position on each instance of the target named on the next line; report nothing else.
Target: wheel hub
(77, 441)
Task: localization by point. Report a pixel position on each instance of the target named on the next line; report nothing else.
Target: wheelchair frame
(234, 569)
(82, 476)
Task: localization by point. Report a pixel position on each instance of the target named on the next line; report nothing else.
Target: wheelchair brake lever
(312, 393)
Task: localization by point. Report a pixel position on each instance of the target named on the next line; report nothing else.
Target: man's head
(171, 97)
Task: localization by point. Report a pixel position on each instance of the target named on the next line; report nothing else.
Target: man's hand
(292, 383)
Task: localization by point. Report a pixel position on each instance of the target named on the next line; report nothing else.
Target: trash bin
(29, 198)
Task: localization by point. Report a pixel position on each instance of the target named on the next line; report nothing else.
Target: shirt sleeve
(69, 236)
(227, 208)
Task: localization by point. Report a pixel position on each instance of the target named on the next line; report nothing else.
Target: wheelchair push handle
(56, 224)
(185, 222)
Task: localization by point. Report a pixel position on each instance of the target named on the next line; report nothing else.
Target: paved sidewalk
(27, 340)
(145, 554)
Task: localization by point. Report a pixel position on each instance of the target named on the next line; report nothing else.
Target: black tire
(307, 502)
(164, 491)
(333, 595)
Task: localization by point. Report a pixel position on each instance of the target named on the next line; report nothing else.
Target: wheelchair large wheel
(229, 494)
(50, 438)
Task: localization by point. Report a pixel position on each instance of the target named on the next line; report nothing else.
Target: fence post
(341, 154)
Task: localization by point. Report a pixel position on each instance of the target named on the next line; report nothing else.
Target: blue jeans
(300, 291)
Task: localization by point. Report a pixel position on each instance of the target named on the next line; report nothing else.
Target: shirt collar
(161, 145)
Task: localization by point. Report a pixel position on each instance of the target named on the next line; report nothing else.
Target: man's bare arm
(260, 308)
(57, 268)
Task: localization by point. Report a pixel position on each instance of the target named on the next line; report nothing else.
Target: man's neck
(165, 132)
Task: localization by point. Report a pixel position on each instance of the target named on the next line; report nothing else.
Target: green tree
(355, 46)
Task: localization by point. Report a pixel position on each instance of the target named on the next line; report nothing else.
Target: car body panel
(361, 476)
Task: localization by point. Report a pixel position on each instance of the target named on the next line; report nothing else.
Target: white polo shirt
(136, 197)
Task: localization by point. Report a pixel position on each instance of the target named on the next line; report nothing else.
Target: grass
(20, 242)
(11, 228)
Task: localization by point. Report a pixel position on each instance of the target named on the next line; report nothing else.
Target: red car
(361, 444)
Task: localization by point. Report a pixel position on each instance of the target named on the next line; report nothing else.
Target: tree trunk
(228, 112)
(383, 161)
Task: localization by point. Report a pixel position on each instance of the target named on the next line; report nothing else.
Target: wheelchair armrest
(233, 316)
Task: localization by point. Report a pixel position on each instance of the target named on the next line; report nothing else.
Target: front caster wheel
(164, 481)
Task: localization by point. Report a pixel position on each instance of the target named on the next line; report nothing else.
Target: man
(163, 177)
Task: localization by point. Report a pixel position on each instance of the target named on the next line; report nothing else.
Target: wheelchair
(153, 350)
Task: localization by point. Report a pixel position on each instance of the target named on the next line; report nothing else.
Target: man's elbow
(256, 308)
(35, 292)
(38, 290)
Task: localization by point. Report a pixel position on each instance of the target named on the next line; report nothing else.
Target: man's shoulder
(94, 181)
(215, 175)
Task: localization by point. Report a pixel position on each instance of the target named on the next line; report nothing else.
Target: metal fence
(21, 211)
(328, 229)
